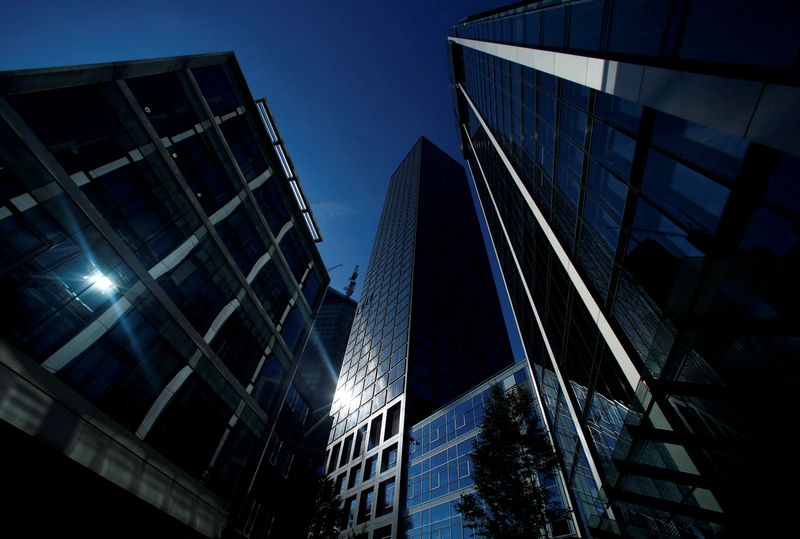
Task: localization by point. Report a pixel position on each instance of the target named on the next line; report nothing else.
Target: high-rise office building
(428, 327)
(637, 163)
(322, 360)
(159, 277)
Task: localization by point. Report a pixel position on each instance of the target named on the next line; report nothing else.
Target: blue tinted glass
(216, 88)
(573, 123)
(311, 288)
(765, 36)
(584, 25)
(548, 82)
(650, 223)
(713, 150)
(569, 187)
(554, 27)
(547, 108)
(532, 30)
(602, 223)
(575, 94)
(689, 197)
(570, 157)
(618, 112)
(773, 232)
(784, 187)
(547, 137)
(613, 149)
(637, 27)
(607, 190)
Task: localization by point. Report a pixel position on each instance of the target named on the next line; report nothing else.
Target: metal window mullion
(245, 186)
(156, 140)
(80, 199)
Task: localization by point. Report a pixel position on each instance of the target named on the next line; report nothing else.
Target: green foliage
(510, 452)
(328, 511)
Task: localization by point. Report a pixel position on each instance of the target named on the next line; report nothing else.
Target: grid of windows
(440, 466)
(373, 372)
(662, 219)
(154, 263)
(648, 32)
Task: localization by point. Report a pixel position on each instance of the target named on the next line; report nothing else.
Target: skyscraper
(637, 163)
(159, 279)
(322, 360)
(428, 327)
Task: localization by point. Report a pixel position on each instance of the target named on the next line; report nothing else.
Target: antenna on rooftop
(351, 284)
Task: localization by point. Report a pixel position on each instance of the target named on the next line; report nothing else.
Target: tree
(510, 454)
(328, 511)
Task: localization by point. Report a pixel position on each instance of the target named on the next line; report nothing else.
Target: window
(334, 458)
(346, 450)
(392, 422)
(360, 435)
(340, 483)
(355, 476)
(370, 467)
(389, 459)
(613, 149)
(386, 497)
(689, 197)
(365, 506)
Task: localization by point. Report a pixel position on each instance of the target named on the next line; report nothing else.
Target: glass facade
(440, 466)
(158, 266)
(427, 321)
(647, 262)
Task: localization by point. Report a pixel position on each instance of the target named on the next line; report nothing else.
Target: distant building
(440, 466)
(637, 163)
(322, 359)
(428, 327)
(159, 279)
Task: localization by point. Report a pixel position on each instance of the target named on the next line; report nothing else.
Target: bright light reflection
(345, 397)
(101, 281)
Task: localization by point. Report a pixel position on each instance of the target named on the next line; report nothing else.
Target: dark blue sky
(352, 84)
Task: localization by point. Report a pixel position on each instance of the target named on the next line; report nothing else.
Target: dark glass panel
(271, 204)
(200, 285)
(689, 197)
(762, 33)
(125, 370)
(272, 289)
(80, 125)
(637, 27)
(217, 89)
(164, 98)
(243, 145)
(618, 112)
(613, 149)
(573, 123)
(295, 252)
(239, 343)
(191, 427)
(553, 27)
(584, 25)
(712, 150)
(241, 237)
(607, 190)
(200, 166)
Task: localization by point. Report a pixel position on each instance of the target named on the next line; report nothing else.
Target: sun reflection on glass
(100, 281)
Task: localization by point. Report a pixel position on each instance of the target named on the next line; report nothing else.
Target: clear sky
(352, 84)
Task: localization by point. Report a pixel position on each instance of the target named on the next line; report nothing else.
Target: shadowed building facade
(638, 165)
(428, 327)
(160, 277)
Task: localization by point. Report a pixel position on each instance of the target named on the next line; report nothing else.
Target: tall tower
(428, 327)
(638, 167)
